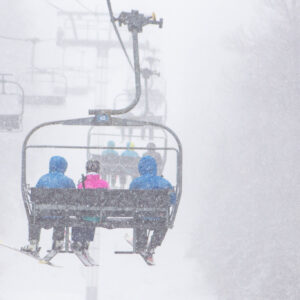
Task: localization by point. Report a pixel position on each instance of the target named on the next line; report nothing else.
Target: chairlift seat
(111, 208)
(41, 99)
(10, 122)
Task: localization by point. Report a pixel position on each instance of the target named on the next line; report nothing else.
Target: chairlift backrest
(114, 208)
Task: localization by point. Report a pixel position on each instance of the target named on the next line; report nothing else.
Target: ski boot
(147, 255)
(32, 248)
(77, 246)
(81, 251)
(57, 245)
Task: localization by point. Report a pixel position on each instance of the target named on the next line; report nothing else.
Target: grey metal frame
(96, 121)
(31, 77)
(3, 82)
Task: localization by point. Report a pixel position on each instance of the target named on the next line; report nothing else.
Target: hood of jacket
(58, 164)
(111, 144)
(147, 166)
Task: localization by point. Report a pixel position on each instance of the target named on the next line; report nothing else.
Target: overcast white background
(232, 101)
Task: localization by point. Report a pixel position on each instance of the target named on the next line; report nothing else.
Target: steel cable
(112, 18)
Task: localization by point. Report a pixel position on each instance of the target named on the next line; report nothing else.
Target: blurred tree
(247, 242)
(270, 56)
(13, 23)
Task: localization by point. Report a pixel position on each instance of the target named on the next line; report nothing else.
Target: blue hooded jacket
(56, 179)
(149, 180)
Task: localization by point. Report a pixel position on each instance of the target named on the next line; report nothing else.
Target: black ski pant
(83, 234)
(35, 233)
(156, 240)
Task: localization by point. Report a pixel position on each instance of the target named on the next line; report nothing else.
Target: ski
(89, 258)
(129, 240)
(50, 255)
(85, 258)
(36, 257)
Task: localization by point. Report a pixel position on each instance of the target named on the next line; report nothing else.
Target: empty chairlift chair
(44, 86)
(11, 104)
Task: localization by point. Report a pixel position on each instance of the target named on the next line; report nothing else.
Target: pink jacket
(93, 181)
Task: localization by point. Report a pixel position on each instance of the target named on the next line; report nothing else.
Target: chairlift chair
(79, 81)
(44, 87)
(119, 208)
(11, 104)
(84, 29)
(147, 112)
(113, 166)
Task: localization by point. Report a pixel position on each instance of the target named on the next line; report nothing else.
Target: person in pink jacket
(82, 236)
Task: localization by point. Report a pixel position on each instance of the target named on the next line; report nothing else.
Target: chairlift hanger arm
(135, 22)
(22, 94)
(4, 81)
(147, 74)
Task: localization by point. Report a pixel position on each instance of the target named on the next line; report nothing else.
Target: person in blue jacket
(55, 179)
(150, 181)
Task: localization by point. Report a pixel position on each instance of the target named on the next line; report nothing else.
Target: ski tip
(45, 262)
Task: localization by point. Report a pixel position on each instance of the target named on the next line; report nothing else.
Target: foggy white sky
(193, 51)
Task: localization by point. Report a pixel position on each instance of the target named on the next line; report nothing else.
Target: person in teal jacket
(129, 151)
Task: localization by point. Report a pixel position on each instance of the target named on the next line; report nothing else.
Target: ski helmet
(92, 166)
(151, 147)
